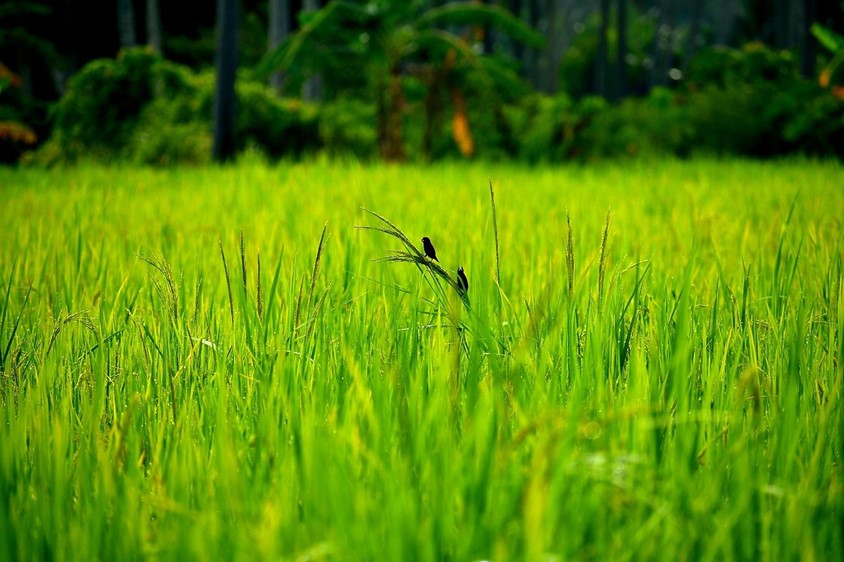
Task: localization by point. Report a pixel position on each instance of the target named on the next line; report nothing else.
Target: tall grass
(677, 396)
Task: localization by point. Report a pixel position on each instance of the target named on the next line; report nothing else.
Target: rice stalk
(413, 255)
(228, 281)
(602, 260)
(495, 232)
(197, 298)
(298, 308)
(243, 266)
(259, 292)
(570, 255)
(170, 296)
(317, 260)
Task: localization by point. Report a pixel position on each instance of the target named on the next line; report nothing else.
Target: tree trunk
(488, 34)
(543, 18)
(312, 88)
(809, 53)
(126, 23)
(694, 33)
(672, 8)
(555, 38)
(602, 58)
(461, 131)
(654, 46)
(781, 23)
(621, 52)
(392, 145)
(530, 59)
(25, 70)
(517, 47)
(433, 78)
(663, 43)
(154, 26)
(723, 22)
(224, 97)
(278, 30)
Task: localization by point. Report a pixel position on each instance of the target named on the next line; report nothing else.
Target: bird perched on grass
(462, 282)
(429, 248)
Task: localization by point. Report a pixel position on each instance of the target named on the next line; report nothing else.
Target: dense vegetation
(208, 364)
(430, 80)
(144, 109)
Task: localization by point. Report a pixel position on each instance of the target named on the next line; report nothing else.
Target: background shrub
(97, 116)
(145, 109)
(280, 126)
(169, 132)
(347, 127)
(750, 101)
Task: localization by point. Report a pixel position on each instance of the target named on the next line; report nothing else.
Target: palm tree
(277, 31)
(224, 97)
(621, 51)
(602, 60)
(389, 40)
(312, 88)
(126, 23)
(154, 26)
(808, 51)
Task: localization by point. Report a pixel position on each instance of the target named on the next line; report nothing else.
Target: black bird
(429, 248)
(462, 282)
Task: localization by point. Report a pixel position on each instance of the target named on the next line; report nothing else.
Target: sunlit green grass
(682, 401)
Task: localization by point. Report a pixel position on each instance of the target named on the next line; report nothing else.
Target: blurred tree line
(161, 82)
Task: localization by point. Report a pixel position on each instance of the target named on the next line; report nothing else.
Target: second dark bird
(462, 282)
(429, 248)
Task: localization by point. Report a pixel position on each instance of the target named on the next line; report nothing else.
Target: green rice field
(220, 364)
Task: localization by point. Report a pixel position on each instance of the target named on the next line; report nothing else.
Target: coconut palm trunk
(126, 23)
(154, 26)
(391, 115)
(224, 96)
(277, 31)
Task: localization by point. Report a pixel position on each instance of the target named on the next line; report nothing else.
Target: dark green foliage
(486, 92)
(754, 63)
(396, 46)
(735, 120)
(552, 128)
(347, 127)
(542, 127)
(748, 101)
(657, 124)
(20, 117)
(24, 47)
(168, 133)
(145, 109)
(817, 122)
(753, 101)
(576, 70)
(104, 103)
(280, 127)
